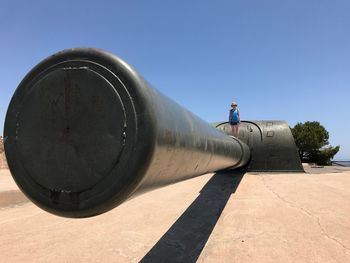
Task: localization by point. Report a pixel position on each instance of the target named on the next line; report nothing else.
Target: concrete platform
(234, 217)
(9, 192)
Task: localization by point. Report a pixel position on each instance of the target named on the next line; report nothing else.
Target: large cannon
(85, 132)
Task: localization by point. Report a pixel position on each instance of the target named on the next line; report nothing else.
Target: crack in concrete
(328, 236)
(304, 211)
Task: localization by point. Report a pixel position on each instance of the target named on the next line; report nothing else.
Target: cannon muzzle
(85, 132)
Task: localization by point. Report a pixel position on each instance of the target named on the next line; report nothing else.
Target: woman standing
(234, 118)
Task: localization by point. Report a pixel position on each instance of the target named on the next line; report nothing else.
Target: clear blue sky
(284, 60)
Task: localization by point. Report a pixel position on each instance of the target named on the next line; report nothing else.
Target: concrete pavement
(255, 217)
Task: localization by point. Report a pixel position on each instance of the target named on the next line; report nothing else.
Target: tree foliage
(311, 139)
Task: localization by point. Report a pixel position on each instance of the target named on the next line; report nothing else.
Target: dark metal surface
(84, 132)
(271, 144)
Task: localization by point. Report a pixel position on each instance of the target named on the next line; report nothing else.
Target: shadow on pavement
(185, 239)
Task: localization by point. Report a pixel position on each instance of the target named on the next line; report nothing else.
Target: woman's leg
(234, 130)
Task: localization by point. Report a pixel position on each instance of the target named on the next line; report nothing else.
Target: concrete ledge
(3, 162)
(12, 197)
(9, 193)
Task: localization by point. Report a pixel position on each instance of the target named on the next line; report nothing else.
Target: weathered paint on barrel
(84, 132)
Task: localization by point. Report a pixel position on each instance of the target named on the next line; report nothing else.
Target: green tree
(311, 139)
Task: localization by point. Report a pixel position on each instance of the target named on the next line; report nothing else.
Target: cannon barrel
(84, 132)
